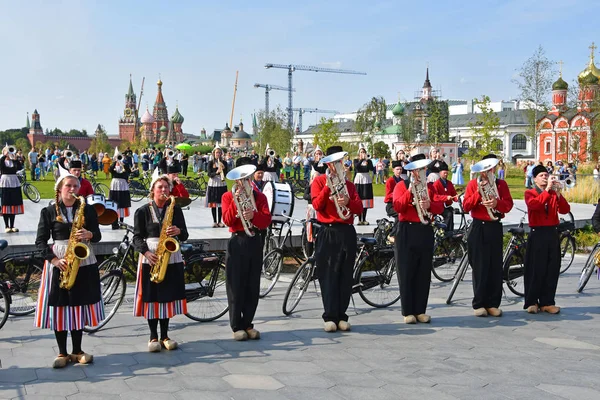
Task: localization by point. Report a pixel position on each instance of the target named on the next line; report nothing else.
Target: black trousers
(485, 256)
(448, 215)
(542, 266)
(243, 267)
(334, 254)
(414, 257)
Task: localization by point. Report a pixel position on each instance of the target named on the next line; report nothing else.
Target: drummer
(85, 187)
(258, 182)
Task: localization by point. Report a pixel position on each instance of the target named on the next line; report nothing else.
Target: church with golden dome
(155, 127)
(566, 133)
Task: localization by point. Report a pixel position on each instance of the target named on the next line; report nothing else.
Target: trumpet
(558, 185)
(270, 152)
(68, 154)
(170, 153)
(12, 150)
(119, 157)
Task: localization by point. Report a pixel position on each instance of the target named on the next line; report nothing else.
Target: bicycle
(196, 186)
(5, 299)
(138, 190)
(373, 274)
(21, 275)
(513, 262)
(298, 186)
(204, 280)
(589, 267)
(30, 191)
(99, 188)
(567, 242)
(448, 249)
(273, 261)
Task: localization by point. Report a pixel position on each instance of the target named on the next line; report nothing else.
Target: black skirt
(12, 196)
(214, 194)
(85, 291)
(171, 289)
(121, 197)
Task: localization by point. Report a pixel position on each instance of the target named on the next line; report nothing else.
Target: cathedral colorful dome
(163, 129)
(588, 79)
(591, 69)
(147, 118)
(560, 84)
(398, 109)
(177, 118)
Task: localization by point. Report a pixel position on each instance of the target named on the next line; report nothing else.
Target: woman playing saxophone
(158, 302)
(59, 309)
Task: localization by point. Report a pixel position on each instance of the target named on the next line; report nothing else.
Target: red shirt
(85, 187)
(472, 200)
(262, 215)
(543, 208)
(179, 190)
(444, 192)
(403, 200)
(325, 208)
(390, 184)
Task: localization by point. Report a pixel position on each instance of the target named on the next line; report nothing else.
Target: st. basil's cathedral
(155, 127)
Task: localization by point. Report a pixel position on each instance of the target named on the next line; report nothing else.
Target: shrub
(587, 190)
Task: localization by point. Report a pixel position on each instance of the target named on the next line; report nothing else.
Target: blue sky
(72, 59)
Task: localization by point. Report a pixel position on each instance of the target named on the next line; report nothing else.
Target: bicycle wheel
(101, 188)
(110, 264)
(271, 268)
(308, 248)
(4, 305)
(514, 272)
(31, 192)
(23, 277)
(193, 188)
(298, 191)
(112, 287)
(446, 258)
(207, 299)
(588, 269)
(379, 288)
(298, 286)
(567, 252)
(138, 190)
(459, 275)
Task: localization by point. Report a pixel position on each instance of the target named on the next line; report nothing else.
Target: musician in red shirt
(390, 184)
(542, 257)
(336, 245)
(414, 243)
(172, 170)
(445, 189)
(244, 259)
(484, 244)
(85, 188)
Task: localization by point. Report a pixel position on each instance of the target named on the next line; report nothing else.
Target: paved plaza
(457, 356)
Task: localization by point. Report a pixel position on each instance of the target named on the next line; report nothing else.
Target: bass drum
(281, 200)
(110, 213)
(98, 202)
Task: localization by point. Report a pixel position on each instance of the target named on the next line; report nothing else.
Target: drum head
(96, 200)
(280, 199)
(110, 213)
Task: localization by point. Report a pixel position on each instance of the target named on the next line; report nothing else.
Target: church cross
(561, 65)
(593, 47)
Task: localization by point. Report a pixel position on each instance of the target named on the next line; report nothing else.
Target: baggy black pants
(485, 256)
(243, 268)
(334, 254)
(542, 266)
(414, 257)
(448, 215)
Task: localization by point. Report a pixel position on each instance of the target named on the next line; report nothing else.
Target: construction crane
(301, 111)
(268, 87)
(292, 67)
(233, 102)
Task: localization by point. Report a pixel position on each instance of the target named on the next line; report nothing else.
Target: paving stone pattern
(457, 356)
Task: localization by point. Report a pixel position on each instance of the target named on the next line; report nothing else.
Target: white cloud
(332, 64)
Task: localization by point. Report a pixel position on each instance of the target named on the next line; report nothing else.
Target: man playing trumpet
(485, 240)
(336, 242)
(542, 258)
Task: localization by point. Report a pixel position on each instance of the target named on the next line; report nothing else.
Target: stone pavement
(457, 356)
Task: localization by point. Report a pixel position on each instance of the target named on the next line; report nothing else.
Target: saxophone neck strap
(156, 213)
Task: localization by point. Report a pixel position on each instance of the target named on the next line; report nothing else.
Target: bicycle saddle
(440, 225)
(517, 231)
(3, 244)
(185, 247)
(368, 240)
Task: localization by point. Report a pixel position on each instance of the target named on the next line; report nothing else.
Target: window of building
(519, 142)
(497, 145)
(465, 144)
(478, 144)
(562, 144)
(547, 146)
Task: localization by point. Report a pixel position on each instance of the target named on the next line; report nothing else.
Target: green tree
(535, 83)
(367, 116)
(381, 149)
(410, 126)
(484, 129)
(23, 145)
(438, 129)
(272, 130)
(100, 141)
(327, 133)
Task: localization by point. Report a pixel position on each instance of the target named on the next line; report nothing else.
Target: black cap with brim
(434, 166)
(334, 149)
(443, 166)
(174, 168)
(417, 157)
(243, 161)
(396, 164)
(75, 164)
(489, 156)
(538, 170)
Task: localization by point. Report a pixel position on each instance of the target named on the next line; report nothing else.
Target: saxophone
(166, 246)
(76, 251)
(420, 193)
(244, 201)
(489, 192)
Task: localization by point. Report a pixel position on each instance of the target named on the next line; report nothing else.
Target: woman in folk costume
(62, 309)
(217, 185)
(363, 181)
(270, 165)
(158, 302)
(119, 187)
(12, 198)
(317, 168)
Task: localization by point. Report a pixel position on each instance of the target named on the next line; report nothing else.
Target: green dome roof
(398, 110)
(589, 79)
(560, 84)
(163, 128)
(378, 124)
(177, 118)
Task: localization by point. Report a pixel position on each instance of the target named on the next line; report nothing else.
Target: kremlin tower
(36, 127)
(128, 123)
(160, 125)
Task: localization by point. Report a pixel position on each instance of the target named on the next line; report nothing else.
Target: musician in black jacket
(12, 198)
(119, 186)
(62, 309)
